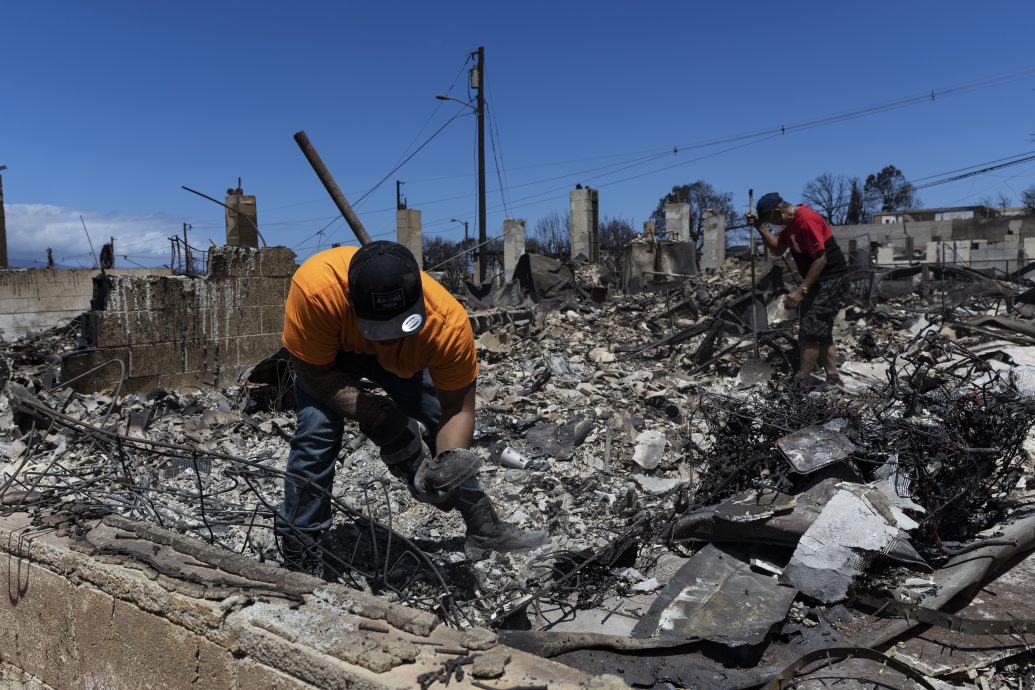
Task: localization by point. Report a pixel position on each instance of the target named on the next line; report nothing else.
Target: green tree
(889, 190)
(700, 196)
(855, 214)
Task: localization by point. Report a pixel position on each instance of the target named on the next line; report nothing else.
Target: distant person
(372, 314)
(823, 287)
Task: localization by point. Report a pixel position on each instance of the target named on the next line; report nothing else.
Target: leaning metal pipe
(964, 573)
(332, 187)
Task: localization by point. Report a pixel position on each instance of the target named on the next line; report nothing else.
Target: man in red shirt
(822, 291)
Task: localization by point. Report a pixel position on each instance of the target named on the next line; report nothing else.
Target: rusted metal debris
(672, 479)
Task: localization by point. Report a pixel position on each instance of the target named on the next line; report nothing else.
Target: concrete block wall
(713, 255)
(998, 240)
(585, 223)
(677, 222)
(513, 245)
(178, 331)
(33, 300)
(74, 620)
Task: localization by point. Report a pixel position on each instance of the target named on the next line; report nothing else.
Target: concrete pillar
(1029, 248)
(649, 227)
(242, 219)
(408, 232)
(714, 231)
(513, 245)
(585, 223)
(677, 222)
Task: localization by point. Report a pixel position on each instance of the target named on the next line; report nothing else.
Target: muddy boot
(486, 532)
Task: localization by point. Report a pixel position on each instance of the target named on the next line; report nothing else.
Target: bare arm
(767, 237)
(336, 390)
(456, 429)
(770, 240)
(819, 262)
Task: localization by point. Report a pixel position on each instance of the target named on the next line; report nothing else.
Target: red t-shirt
(807, 233)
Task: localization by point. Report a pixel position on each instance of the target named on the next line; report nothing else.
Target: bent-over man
(371, 313)
(821, 293)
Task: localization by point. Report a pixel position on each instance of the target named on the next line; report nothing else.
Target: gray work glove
(436, 478)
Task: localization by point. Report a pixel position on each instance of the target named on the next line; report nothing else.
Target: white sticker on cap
(412, 323)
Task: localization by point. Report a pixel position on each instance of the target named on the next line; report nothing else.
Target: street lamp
(454, 220)
(443, 97)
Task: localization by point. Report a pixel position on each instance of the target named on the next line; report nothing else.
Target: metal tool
(755, 370)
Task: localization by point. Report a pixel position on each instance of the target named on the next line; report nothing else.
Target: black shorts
(819, 309)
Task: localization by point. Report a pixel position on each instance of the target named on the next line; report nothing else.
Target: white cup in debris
(513, 459)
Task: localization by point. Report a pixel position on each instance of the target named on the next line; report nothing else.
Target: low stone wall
(177, 331)
(75, 618)
(33, 300)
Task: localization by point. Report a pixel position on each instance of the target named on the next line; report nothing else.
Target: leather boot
(486, 531)
(302, 553)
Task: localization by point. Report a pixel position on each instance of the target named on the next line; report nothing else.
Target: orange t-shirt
(319, 323)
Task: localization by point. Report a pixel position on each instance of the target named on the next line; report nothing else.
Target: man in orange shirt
(372, 314)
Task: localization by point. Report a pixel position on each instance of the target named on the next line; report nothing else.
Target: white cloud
(32, 228)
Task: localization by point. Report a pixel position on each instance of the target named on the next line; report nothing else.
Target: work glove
(436, 478)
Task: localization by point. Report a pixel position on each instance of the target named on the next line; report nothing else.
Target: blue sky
(109, 107)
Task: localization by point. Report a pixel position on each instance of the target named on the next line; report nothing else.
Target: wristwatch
(804, 290)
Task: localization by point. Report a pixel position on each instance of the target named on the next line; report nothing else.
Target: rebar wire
(196, 510)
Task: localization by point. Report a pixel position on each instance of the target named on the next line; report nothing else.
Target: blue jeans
(317, 441)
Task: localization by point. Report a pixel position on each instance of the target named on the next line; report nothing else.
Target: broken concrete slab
(838, 547)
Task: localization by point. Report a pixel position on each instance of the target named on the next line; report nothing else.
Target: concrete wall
(997, 242)
(72, 620)
(585, 223)
(644, 263)
(408, 232)
(34, 300)
(177, 331)
(242, 219)
(677, 222)
(649, 229)
(513, 245)
(713, 254)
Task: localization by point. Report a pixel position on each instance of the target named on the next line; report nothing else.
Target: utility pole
(3, 224)
(478, 82)
(400, 202)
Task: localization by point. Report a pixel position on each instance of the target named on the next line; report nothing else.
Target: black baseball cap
(385, 291)
(767, 204)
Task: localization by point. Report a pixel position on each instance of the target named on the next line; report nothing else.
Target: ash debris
(681, 480)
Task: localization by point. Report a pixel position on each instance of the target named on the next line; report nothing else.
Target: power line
(496, 158)
(434, 111)
(760, 135)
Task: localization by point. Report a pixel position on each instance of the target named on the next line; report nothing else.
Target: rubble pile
(710, 525)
